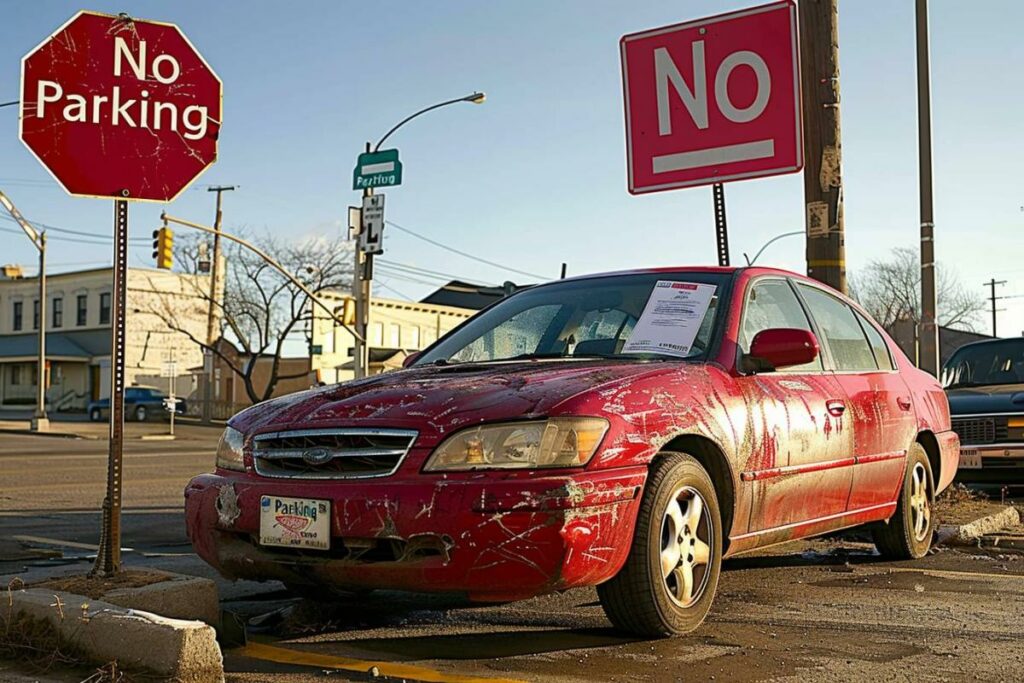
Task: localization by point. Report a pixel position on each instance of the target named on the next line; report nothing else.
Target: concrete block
(967, 534)
(176, 649)
(179, 597)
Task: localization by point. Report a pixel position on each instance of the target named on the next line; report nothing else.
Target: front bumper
(994, 463)
(493, 536)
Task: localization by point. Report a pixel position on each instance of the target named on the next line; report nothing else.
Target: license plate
(970, 459)
(295, 522)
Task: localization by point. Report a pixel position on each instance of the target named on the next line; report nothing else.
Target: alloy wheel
(686, 536)
(920, 502)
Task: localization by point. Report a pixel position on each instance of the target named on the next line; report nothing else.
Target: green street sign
(377, 169)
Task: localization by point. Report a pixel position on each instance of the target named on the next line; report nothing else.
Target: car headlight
(229, 450)
(555, 442)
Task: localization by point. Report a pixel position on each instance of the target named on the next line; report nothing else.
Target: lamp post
(752, 261)
(40, 423)
(364, 262)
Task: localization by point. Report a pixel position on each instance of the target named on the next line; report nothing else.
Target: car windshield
(592, 318)
(984, 364)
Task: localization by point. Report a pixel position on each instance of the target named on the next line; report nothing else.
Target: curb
(52, 435)
(967, 534)
(176, 649)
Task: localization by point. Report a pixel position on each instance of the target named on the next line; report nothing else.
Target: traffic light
(163, 248)
(348, 311)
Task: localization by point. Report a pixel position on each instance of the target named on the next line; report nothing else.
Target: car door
(879, 409)
(800, 457)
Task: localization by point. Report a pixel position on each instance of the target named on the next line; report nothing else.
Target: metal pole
(108, 557)
(40, 422)
(823, 183)
(361, 291)
(721, 232)
(929, 354)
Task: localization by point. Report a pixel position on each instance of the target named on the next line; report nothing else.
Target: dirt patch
(960, 505)
(96, 587)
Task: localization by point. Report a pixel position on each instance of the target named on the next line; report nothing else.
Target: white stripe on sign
(384, 167)
(714, 155)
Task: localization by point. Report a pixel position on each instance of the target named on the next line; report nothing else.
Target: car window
(522, 333)
(878, 345)
(131, 394)
(843, 334)
(772, 304)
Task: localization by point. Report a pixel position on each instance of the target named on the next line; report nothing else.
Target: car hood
(442, 399)
(996, 398)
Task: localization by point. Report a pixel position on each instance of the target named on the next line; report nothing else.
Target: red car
(627, 430)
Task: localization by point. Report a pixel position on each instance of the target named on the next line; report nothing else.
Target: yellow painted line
(952, 574)
(281, 655)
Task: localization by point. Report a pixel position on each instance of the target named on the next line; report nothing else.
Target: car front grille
(982, 430)
(344, 453)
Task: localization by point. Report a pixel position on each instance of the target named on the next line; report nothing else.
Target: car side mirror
(410, 359)
(781, 348)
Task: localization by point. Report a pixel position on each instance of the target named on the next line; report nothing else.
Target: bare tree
(260, 307)
(891, 290)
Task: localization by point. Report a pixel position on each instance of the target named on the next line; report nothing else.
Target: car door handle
(903, 402)
(835, 408)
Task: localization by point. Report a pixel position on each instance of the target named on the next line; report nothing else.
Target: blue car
(140, 404)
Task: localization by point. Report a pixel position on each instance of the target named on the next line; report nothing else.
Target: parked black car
(985, 385)
(140, 403)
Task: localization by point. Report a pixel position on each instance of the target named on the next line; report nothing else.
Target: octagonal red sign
(120, 108)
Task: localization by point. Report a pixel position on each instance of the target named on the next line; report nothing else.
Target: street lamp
(364, 264)
(752, 261)
(40, 423)
(475, 98)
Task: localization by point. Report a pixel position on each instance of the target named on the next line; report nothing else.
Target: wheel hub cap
(686, 534)
(920, 502)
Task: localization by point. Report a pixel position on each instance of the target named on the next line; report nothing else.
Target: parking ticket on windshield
(671, 318)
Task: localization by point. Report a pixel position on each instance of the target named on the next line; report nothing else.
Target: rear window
(878, 345)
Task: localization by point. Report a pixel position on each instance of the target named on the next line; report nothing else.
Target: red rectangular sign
(713, 100)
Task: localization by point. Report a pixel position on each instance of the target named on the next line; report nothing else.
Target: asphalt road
(823, 610)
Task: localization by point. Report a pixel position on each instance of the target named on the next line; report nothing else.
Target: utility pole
(216, 293)
(993, 298)
(40, 423)
(929, 334)
(823, 186)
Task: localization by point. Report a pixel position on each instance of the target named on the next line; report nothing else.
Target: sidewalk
(100, 430)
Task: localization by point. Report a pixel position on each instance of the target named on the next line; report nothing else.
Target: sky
(536, 176)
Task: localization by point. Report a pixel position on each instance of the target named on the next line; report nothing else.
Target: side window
(842, 332)
(131, 394)
(772, 304)
(878, 345)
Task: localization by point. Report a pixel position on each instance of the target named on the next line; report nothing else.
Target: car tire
(95, 415)
(141, 414)
(908, 533)
(649, 596)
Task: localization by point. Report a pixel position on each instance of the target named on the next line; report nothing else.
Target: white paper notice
(671, 318)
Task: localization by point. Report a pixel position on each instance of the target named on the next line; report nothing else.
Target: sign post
(123, 109)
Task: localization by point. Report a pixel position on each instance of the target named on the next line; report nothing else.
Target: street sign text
(713, 100)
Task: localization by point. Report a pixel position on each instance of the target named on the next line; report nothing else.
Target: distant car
(627, 431)
(140, 404)
(984, 382)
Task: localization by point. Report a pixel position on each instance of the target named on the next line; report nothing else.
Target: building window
(17, 315)
(58, 312)
(105, 308)
(396, 335)
(83, 310)
(35, 314)
(414, 338)
(377, 334)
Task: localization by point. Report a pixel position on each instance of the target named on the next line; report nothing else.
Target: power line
(462, 253)
(69, 231)
(9, 104)
(394, 291)
(426, 271)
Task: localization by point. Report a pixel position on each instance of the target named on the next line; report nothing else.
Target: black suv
(985, 385)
